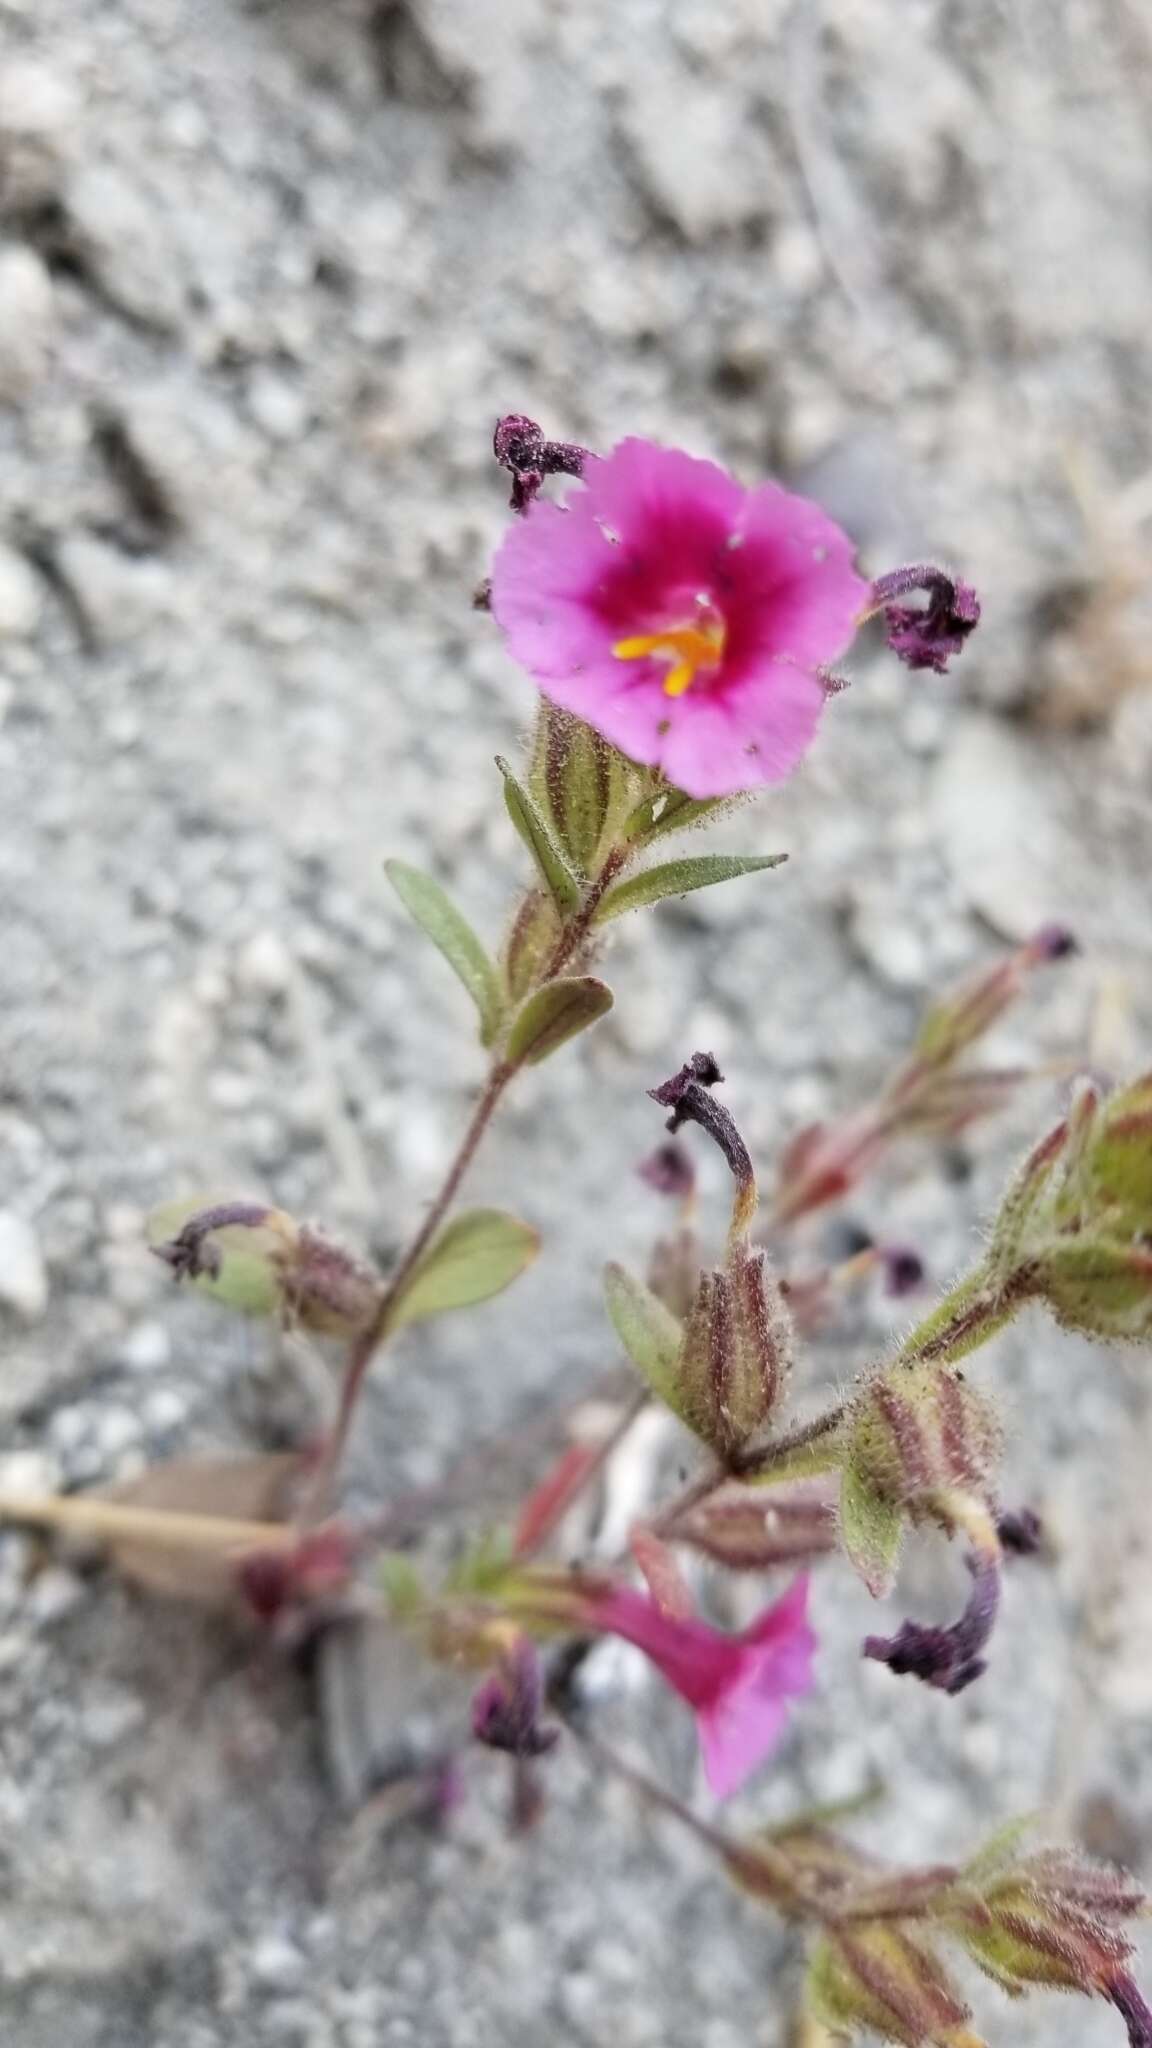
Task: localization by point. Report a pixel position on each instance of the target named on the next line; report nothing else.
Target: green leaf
(1098, 1286)
(532, 826)
(448, 929)
(679, 878)
(999, 1851)
(671, 810)
(484, 1566)
(242, 1264)
(477, 1256)
(401, 1584)
(553, 1015)
(649, 1332)
(871, 1529)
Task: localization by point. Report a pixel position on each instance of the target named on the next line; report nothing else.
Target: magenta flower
(686, 618)
(739, 1687)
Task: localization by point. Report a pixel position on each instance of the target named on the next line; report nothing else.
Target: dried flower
(670, 1171)
(928, 637)
(947, 1658)
(506, 1709)
(739, 1687)
(682, 616)
(520, 447)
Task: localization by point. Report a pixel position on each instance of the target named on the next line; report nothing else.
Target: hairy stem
(766, 1870)
(577, 928)
(365, 1346)
(803, 1448)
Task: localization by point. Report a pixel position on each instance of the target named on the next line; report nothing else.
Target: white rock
(147, 1348)
(276, 1960)
(121, 597)
(27, 304)
(29, 1473)
(117, 1430)
(20, 594)
(23, 1278)
(53, 1594)
(35, 101)
(276, 406)
(264, 965)
(128, 244)
(165, 1409)
(38, 110)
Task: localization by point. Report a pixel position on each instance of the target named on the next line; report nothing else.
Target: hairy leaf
(556, 1013)
(680, 878)
(533, 828)
(477, 1256)
(649, 1332)
(871, 1528)
(451, 932)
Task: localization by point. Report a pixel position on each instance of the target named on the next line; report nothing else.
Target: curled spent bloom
(739, 1687)
(522, 448)
(950, 1659)
(928, 636)
(685, 618)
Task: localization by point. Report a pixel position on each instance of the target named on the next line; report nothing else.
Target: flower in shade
(685, 618)
(739, 1687)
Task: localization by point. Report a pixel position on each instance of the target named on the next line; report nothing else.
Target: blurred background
(268, 273)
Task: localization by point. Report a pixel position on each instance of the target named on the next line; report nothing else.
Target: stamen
(688, 648)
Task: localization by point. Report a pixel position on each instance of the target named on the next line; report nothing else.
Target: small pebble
(53, 1594)
(29, 1473)
(23, 1278)
(264, 965)
(147, 1348)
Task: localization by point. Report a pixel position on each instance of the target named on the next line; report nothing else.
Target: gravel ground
(267, 274)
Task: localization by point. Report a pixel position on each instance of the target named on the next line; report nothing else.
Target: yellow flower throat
(687, 649)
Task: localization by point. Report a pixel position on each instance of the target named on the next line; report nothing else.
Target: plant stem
(364, 1348)
(109, 1522)
(577, 929)
(805, 1437)
(366, 1345)
(602, 1754)
(763, 1869)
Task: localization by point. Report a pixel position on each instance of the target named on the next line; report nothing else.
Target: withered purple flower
(947, 1658)
(926, 636)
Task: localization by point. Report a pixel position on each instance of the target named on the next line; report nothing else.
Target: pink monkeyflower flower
(685, 618)
(739, 1687)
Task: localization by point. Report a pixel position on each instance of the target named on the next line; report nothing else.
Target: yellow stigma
(687, 648)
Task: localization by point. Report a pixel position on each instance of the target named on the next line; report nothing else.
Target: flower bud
(1051, 1917)
(876, 1977)
(918, 1434)
(582, 783)
(736, 1352)
(1075, 1229)
(259, 1261)
(738, 1528)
